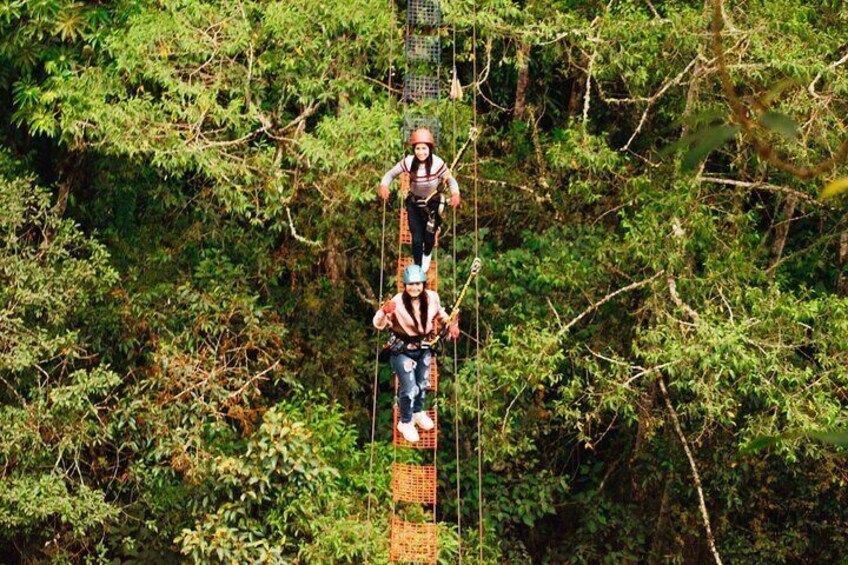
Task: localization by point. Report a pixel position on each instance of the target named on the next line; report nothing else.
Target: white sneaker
(423, 421)
(408, 430)
(425, 262)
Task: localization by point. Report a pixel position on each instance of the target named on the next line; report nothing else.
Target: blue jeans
(413, 372)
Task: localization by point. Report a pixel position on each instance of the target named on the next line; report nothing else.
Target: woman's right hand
(383, 191)
(389, 307)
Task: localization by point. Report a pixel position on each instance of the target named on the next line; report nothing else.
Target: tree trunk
(781, 230)
(72, 174)
(842, 281)
(523, 56)
(658, 538)
(643, 426)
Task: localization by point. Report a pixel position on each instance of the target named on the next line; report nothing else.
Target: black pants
(422, 240)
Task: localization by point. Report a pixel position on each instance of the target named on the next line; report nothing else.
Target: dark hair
(423, 307)
(428, 163)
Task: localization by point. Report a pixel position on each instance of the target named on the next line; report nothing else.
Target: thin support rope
(456, 414)
(395, 404)
(480, 525)
(382, 283)
(376, 369)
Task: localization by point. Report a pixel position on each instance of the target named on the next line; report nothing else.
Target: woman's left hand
(454, 200)
(453, 327)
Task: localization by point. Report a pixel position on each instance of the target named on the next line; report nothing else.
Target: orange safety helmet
(422, 135)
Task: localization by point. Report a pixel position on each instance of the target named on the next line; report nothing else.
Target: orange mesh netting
(434, 375)
(414, 483)
(432, 274)
(427, 440)
(405, 235)
(413, 542)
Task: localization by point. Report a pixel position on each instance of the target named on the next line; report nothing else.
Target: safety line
(375, 384)
(456, 413)
(480, 526)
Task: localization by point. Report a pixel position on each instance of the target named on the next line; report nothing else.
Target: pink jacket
(401, 321)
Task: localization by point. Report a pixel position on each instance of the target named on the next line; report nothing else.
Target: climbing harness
(432, 212)
(399, 343)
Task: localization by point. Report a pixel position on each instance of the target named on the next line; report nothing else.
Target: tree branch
(842, 261)
(606, 299)
(298, 237)
(673, 82)
(749, 126)
(696, 477)
(812, 88)
(587, 95)
(764, 186)
(781, 230)
(672, 290)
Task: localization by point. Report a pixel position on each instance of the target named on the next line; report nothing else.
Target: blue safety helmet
(414, 274)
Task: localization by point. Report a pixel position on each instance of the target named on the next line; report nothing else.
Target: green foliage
(190, 250)
(53, 414)
(36, 505)
(294, 480)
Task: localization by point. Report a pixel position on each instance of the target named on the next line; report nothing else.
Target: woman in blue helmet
(411, 315)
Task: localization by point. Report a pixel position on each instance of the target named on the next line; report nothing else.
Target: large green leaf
(707, 140)
(833, 437)
(775, 91)
(780, 123)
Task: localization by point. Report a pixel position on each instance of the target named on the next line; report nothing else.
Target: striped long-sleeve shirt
(422, 184)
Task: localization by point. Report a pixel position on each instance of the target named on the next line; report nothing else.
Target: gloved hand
(383, 191)
(453, 328)
(389, 307)
(454, 200)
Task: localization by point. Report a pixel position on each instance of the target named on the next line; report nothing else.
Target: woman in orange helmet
(423, 203)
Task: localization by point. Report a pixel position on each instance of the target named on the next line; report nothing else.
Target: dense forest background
(190, 259)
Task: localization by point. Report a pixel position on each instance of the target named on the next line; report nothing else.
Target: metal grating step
(412, 122)
(414, 483)
(423, 48)
(427, 440)
(432, 274)
(405, 234)
(423, 13)
(417, 88)
(412, 542)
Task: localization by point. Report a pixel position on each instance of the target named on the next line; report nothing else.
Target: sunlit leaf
(760, 443)
(707, 117)
(834, 188)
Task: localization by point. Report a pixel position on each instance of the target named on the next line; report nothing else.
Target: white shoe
(425, 262)
(408, 430)
(423, 421)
